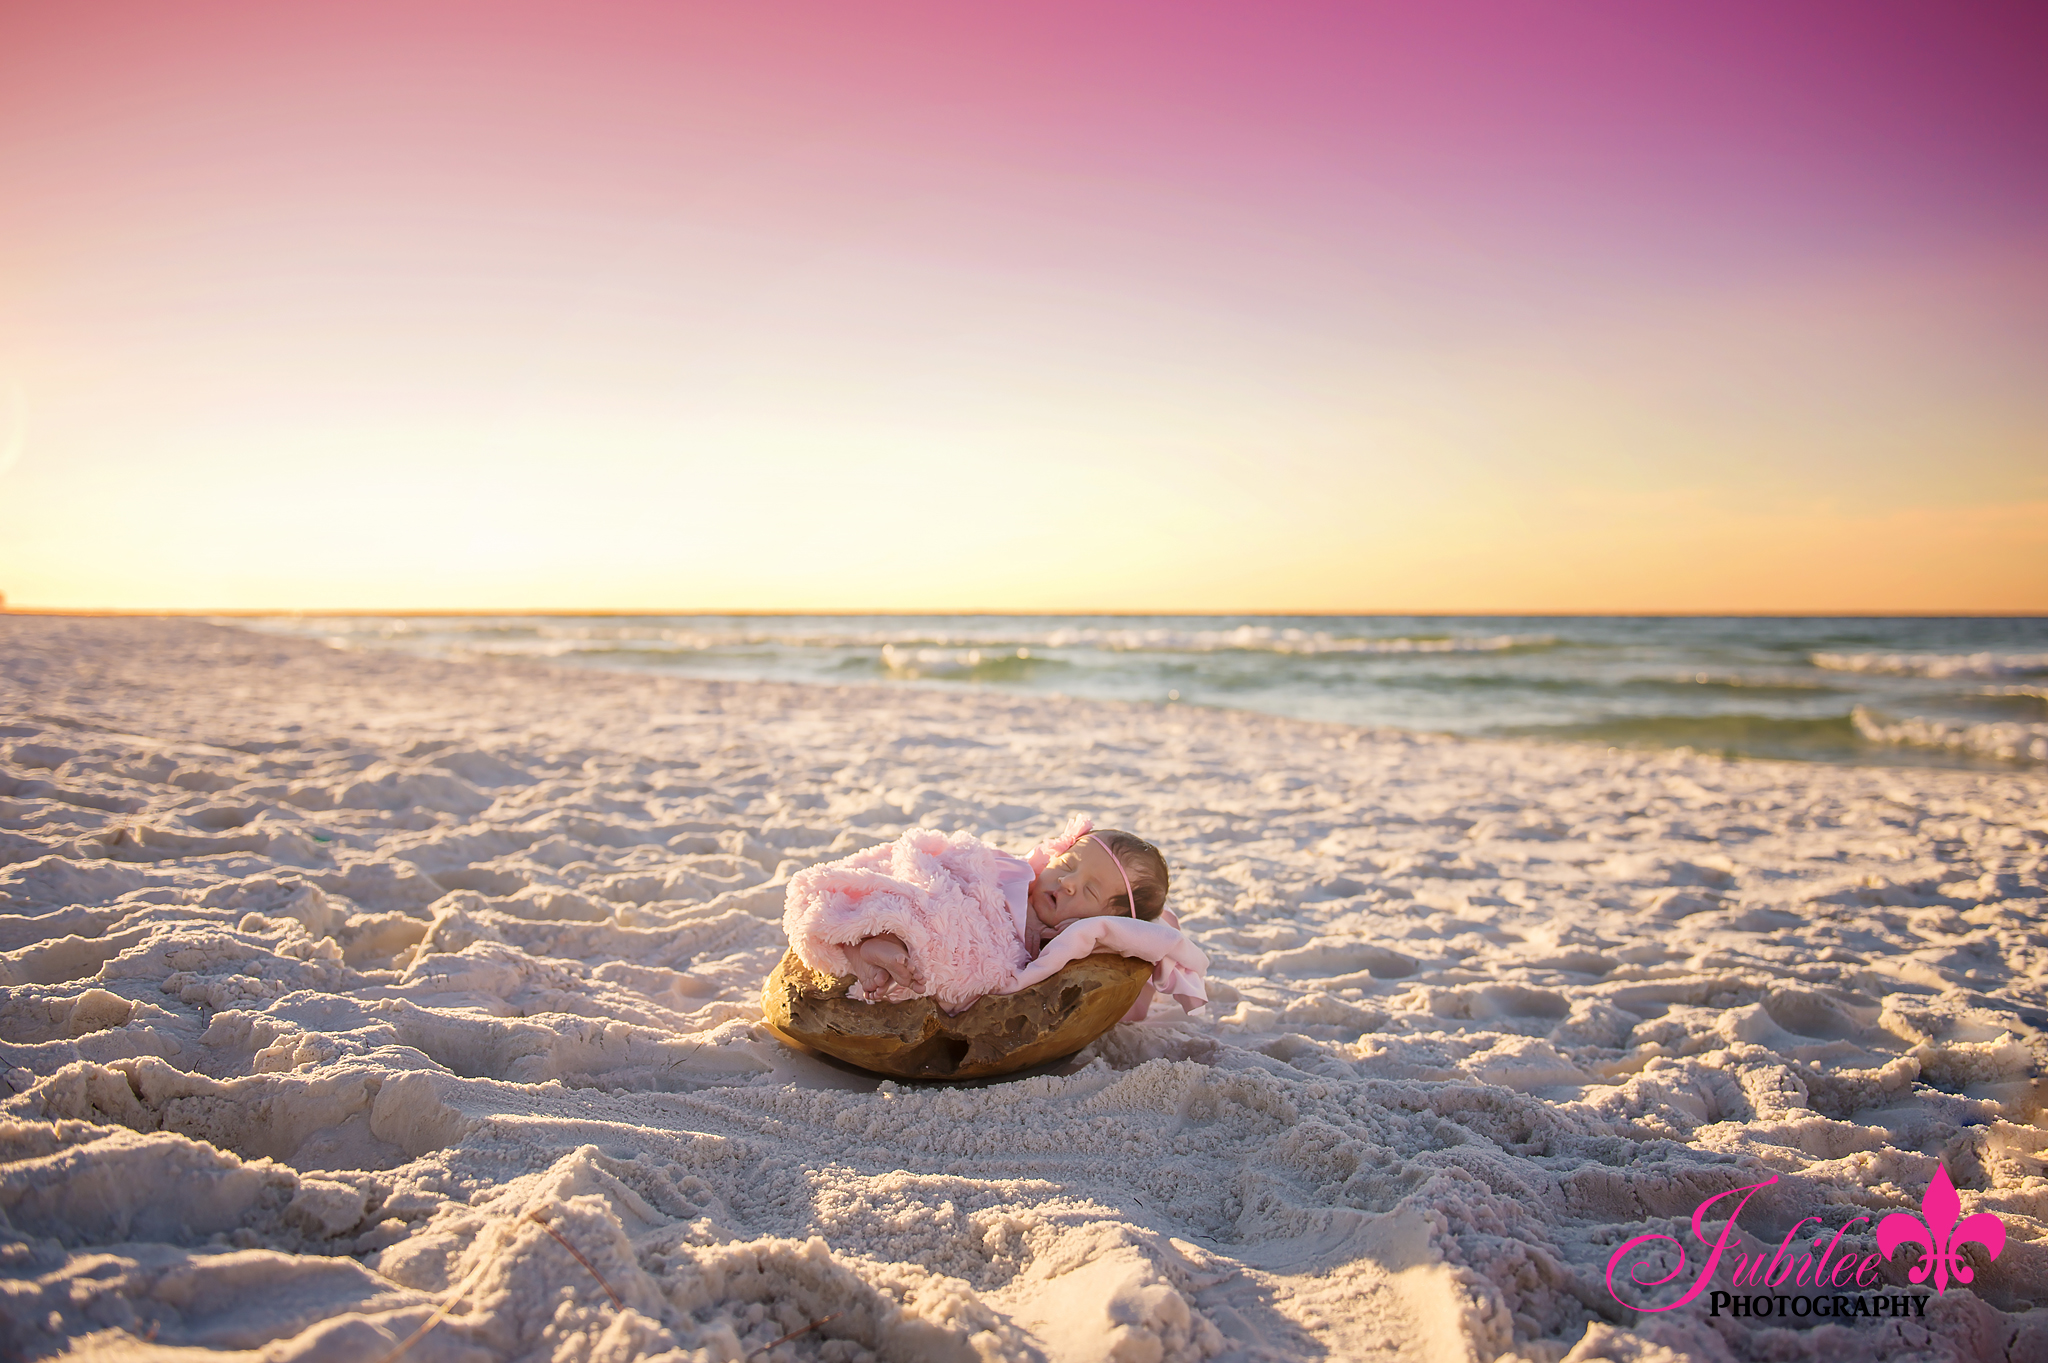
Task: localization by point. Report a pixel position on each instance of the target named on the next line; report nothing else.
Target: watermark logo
(1940, 1236)
(1825, 1267)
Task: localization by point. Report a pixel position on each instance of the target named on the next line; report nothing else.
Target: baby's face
(1079, 883)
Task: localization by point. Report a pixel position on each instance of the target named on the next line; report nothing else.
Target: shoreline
(1832, 698)
(324, 968)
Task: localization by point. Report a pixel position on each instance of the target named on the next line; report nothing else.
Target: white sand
(326, 973)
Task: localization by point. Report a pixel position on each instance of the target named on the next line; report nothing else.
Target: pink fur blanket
(942, 895)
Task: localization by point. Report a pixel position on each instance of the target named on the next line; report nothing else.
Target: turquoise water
(1952, 691)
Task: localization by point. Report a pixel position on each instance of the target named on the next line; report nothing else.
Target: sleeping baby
(950, 917)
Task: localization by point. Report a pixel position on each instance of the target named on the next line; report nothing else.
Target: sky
(1057, 306)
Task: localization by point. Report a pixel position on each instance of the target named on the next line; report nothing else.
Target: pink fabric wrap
(942, 895)
(1178, 965)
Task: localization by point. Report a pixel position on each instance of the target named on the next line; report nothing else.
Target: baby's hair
(1144, 865)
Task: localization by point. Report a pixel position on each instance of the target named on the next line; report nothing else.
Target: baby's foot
(890, 960)
(873, 978)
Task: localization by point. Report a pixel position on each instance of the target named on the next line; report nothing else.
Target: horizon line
(567, 613)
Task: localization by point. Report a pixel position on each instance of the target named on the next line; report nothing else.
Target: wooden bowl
(997, 1034)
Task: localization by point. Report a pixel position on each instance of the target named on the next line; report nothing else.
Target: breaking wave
(546, 638)
(1861, 735)
(1264, 639)
(2008, 742)
(1936, 664)
(961, 664)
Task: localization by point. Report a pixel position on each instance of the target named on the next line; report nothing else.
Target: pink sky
(1429, 261)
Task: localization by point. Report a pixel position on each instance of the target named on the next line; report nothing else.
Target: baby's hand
(882, 963)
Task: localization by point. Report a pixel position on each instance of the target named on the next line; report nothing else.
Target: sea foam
(1936, 664)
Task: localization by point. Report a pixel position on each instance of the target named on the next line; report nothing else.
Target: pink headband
(1129, 893)
(1079, 827)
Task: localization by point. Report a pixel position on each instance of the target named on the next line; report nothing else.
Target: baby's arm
(880, 962)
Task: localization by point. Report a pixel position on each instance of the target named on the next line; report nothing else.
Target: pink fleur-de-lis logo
(1941, 1236)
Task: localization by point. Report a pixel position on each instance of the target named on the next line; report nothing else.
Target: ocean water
(1949, 691)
